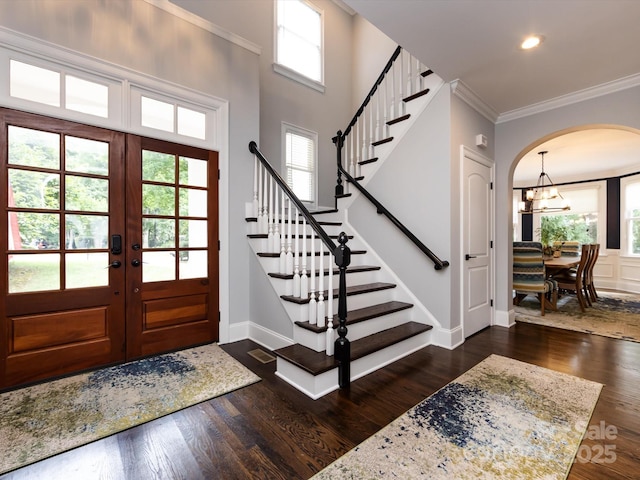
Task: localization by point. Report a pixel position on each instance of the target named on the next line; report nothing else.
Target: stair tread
(369, 160)
(319, 362)
(361, 314)
(344, 195)
(266, 235)
(380, 142)
(427, 73)
(351, 290)
(336, 270)
(277, 255)
(299, 222)
(399, 119)
(415, 95)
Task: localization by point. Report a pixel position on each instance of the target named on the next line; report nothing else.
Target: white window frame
(625, 220)
(313, 136)
(289, 72)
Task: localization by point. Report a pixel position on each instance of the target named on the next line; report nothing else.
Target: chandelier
(537, 199)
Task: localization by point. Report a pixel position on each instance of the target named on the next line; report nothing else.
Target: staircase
(384, 321)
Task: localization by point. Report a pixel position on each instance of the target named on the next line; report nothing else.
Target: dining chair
(588, 286)
(568, 248)
(573, 282)
(530, 277)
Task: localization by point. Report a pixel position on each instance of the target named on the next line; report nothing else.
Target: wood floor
(271, 431)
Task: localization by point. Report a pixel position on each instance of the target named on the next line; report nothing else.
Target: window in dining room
(579, 224)
(631, 209)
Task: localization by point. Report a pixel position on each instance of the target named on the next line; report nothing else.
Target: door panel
(173, 246)
(63, 307)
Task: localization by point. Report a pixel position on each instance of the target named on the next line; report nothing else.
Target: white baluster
(283, 240)
(304, 278)
(363, 149)
(276, 223)
(260, 209)
(270, 216)
(372, 133)
(313, 319)
(296, 260)
(418, 77)
(409, 77)
(330, 333)
(378, 135)
(321, 305)
(385, 106)
(401, 86)
(256, 210)
(392, 100)
(289, 269)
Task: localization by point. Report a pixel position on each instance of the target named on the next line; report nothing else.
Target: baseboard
(448, 339)
(268, 338)
(505, 318)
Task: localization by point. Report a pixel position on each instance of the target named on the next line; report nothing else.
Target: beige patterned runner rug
(615, 315)
(502, 419)
(49, 418)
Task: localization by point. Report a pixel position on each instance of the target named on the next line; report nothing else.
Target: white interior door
(477, 237)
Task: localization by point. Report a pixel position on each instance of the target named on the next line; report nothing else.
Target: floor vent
(261, 355)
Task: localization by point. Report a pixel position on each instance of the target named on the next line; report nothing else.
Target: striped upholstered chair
(568, 248)
(529, 276)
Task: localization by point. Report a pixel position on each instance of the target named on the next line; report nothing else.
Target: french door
(110, 249)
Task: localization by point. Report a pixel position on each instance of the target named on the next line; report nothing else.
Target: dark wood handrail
(386, 69)
(253, 148)
(437, 263)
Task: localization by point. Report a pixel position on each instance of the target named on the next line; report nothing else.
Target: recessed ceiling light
(531, 41)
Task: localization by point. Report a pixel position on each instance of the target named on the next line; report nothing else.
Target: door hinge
(491, 302)
(220, 316)
(218, 245)
(490, 243)
(490, 185)
(218, 174)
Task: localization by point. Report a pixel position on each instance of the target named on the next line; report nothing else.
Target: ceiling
(587, 43)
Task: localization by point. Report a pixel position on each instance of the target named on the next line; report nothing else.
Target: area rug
(615, 315)
(42, 420)
(502, 419)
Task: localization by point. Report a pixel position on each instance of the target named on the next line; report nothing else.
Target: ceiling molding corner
(464, 93)
(345, 7)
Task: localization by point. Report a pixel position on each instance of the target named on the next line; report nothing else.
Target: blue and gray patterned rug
(46, 419)
(614, 314)
(502, 419)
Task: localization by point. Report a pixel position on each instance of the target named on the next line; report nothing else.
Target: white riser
(316, 387)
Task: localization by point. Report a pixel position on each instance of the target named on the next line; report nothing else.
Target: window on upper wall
(631, 216)
(299, 42)
(300, 148)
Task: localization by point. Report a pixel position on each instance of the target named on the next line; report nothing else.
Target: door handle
(115, 264)
(116, 244)
(135, 262)
(467, 256)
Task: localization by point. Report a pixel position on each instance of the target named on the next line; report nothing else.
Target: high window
(299, 50)
(300, 147)
(631, 212)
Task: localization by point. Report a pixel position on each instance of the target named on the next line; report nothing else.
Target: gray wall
(139, 36)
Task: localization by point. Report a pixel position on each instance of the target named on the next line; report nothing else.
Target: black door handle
(115, 264)
(467, 256)
(135, 262)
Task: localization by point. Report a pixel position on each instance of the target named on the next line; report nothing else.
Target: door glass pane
(87, 270)
(86, 156)
(193, 172)
(86, 194)
(158, 266)
(86, 232)
(158, 233)
(35, 231)
(34, 148)
(28, 189)
(158, 167)
(158, 200)
(193, 233)
(193, 264)
(193, 203)
(34, 272)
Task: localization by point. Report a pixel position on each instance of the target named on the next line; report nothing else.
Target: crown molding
(198, 21)
(464, 93)
(345, 7)
(571, 98)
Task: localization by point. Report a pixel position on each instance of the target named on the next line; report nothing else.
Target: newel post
(342, 351)
(338, 140)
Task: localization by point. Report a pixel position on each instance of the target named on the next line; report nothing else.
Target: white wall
(515, 137)
(141, 37)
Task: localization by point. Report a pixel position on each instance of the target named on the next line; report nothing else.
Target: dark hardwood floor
(269, 430)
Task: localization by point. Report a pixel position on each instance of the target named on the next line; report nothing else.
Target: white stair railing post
(392, 100)
(304, 278)
(270, 217)
(256, 205)
(283, 239)
(276, 222)
(372, 133)
(401, 86)
(313, 319)
(330, 333)
(321, 305)
(260, 209)
(289, 264)
(385, 106)
(296, 260)
(409, 78)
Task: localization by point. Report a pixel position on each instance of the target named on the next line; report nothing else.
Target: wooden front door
(74, 207)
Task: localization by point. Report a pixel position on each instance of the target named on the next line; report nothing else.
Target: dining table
(556, 265)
